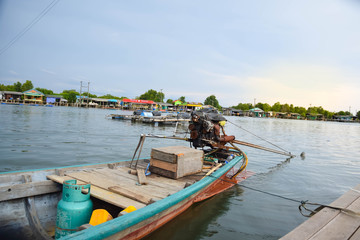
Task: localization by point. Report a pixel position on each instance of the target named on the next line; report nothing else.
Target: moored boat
(180, 176)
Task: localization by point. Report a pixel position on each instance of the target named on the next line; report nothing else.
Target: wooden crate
(176, 161)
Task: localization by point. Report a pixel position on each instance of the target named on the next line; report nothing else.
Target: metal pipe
(263, 148)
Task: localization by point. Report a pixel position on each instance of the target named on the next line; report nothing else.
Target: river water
(46, 137)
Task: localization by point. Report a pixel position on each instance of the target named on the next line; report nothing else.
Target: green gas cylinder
(74, 209)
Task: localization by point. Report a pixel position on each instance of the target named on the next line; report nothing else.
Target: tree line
(286, 108)
(69, 95)
(159, 96)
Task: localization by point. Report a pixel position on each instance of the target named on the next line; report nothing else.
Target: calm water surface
(41, 137)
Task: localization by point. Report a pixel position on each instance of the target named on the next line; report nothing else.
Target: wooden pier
(154, 119)
(330, 223)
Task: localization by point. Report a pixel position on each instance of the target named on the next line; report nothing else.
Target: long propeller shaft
(263, 148)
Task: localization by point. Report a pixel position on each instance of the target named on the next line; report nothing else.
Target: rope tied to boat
(303, 203)
(321, 206)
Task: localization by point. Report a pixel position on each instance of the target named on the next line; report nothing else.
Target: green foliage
(358, 115)
(152, 95)
(276, 107)
(89, 95)
(211, 100)
(344, 113)
(264, 106)
(27, 86)
(182, 99)
(244, 106)
(45, 91)
(17, 86)
(70, 95)
(170, 101)
(108, 96)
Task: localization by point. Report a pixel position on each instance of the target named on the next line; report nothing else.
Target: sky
(305, 53)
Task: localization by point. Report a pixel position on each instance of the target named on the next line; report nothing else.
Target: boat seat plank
(171, 185)
(322, 222)
(105, 181)
(28, 189)
(130, 182)
(157, 179)
(102, 194)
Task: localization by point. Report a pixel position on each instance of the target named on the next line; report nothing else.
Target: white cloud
(48, 71)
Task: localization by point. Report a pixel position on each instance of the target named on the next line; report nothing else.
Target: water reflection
(197, 221)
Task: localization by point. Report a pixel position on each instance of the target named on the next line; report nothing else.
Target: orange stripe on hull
(216, 187)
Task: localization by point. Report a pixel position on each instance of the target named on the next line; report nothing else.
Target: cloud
(47, 71)
(13, 72)
(301, 84)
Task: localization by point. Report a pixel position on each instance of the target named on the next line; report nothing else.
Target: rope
(257, 136)
(303, 203)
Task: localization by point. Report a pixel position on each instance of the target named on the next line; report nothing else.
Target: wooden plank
(104, 195)
(212, 170)
(105, 181)
(141, 176)
(7, 179)
(163, 165)
(356, 235)
(28, 189)
(316, 223)
(163, 172)
(342, 226)
(130, 194)
(155, 182)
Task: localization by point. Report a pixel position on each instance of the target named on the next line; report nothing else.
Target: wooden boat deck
(122, 189)
(330, 223)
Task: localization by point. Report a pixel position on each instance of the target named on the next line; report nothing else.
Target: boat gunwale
(64, 167)
(117, 225)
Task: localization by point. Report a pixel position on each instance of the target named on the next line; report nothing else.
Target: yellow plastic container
(100, 216)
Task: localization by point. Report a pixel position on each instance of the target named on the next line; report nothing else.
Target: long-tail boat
(156, 189)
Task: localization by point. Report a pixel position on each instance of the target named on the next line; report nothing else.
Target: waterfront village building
(51, 99)
(33, 96)
(132, 104)
(10, 95)
(256, 112)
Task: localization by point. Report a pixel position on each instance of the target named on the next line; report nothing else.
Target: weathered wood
(28, 189)
(356, 235)
(163, 172)
(37, 229)
(107, 180)
(130, 194)
(156, 180)
(213, 169)
(60, 172)
(154, 183)
(181, 160)
(10, 178)
(141, 176)
(163, 165)
(330, 223)
(342, 226)
(102, 194)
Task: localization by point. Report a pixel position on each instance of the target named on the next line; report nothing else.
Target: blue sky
(297, 52)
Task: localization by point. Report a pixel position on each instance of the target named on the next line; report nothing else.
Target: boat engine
(205, 129)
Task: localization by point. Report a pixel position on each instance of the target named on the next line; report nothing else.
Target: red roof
(138, 101)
